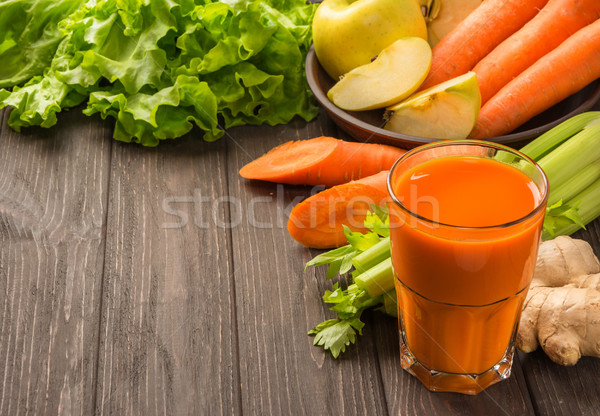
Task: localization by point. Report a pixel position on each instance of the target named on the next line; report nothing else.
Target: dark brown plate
(368, 125)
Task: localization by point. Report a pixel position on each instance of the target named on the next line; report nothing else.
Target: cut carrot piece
(317, 221)
(565, 70)
(321, 161)
(558, 20)
(477, 35)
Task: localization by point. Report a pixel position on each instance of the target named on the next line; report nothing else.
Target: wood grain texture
(281, 372)
(168, 340)
(157, 281)
(559, 390)
(53, 189)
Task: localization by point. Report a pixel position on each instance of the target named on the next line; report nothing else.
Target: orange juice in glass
(466, 220)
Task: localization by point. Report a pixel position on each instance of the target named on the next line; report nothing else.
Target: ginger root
(562, 309)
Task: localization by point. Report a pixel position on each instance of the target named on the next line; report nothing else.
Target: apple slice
(395, 74)
(445, 15)
(445, 111)
(349, 33)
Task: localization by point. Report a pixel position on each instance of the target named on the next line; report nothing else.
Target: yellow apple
(445, 111)
(349, 33)
(396, 73)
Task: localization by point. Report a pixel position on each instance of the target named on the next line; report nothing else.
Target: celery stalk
(390, 303)
(554, 137)
(567, 159)
(378, 279)
(372, 256)
(578, 183)
(570, 156)
(588, 208)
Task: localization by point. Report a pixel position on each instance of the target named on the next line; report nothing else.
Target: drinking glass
(461, 284)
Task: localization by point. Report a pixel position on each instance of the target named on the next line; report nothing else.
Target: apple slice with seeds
(395, 74)
(349, 33)
(445, 111)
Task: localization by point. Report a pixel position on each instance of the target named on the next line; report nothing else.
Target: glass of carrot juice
(466, 221)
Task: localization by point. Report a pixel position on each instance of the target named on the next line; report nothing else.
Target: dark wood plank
(592, 235)
(167, 337)
(53, 190)
(281, 372)
(559, 390)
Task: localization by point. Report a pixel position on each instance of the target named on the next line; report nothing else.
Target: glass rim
(474, 143)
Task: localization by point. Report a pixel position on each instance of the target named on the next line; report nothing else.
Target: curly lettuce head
(159, 67)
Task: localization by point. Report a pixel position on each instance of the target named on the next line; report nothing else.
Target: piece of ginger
(562, 309)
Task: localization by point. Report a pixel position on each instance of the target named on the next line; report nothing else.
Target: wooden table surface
(157, 281)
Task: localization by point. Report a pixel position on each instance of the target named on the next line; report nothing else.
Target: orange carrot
(321, 161)
(565, 70)
(477, 35)
(558, 20)
(317, 221)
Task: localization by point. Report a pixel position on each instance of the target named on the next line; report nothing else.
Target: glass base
(454, 382)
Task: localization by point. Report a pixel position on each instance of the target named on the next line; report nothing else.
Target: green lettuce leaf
(159, 67)
(29, 36)
(166, 114)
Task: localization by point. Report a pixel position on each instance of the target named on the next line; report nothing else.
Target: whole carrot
(565, 70)
(321, 161)
(318, 221)
(558, 20)
(477, 35)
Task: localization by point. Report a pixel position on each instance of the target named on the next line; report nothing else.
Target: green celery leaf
(561, 215)
(339, 260)
(357, 324)
(334, 335)
(346, 309)
(346, 264)
(318, 328)
(351, 302)
(333, 269)
(382, 212)
(336, 295)
(378, 221)
(360, 241)
(330, 256)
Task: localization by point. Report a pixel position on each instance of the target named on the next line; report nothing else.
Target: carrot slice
(476, 36)
(558, 20)
(317, 221)
(321, 161)
(565, 70)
